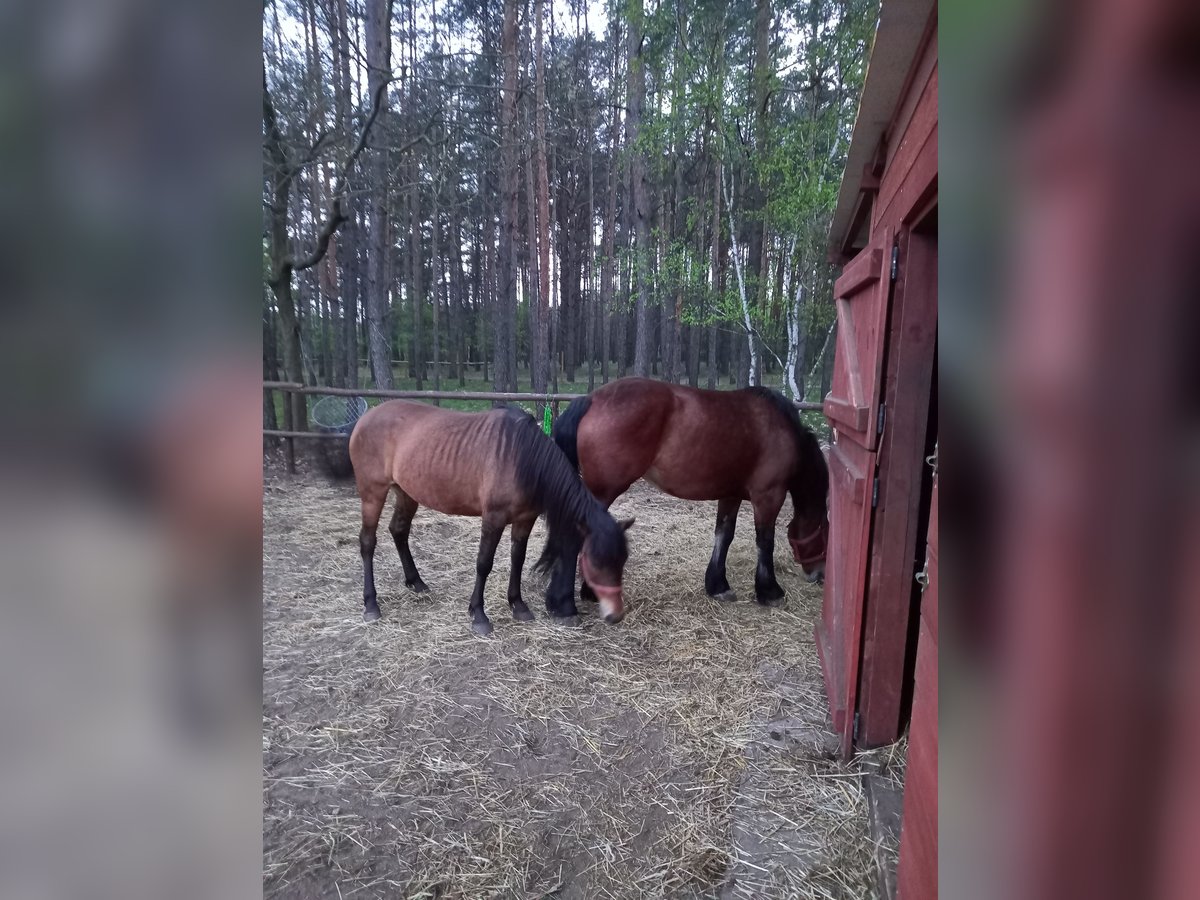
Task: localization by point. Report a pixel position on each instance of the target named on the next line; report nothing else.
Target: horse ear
(625, 524)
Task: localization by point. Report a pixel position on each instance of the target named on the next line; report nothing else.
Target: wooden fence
(291, 387)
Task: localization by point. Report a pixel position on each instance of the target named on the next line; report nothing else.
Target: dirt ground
(682, 753)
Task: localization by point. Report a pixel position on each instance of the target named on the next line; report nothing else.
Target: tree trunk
(753, 198)
(461, 305)
(489, 312)
(607, 261)
(693, 331)
(505, 364)
(623, 318)
(637, 186)
(589, 262)
(346, 249)
(379, 70)
(743, 294)
(715, 284)
(435, 294)
(541, 374)
(416, 278)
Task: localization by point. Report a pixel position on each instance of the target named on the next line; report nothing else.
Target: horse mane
(810, 486)
(547, 477)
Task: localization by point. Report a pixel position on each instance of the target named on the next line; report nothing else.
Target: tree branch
(335, 213)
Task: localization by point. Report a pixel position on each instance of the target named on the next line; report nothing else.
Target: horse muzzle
(612, 606)
(809, 551)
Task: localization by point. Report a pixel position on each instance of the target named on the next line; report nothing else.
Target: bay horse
(497, 465)
(728, 446)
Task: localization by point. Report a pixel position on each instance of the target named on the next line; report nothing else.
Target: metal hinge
(857, 723)
(895, 260)
(875, 493)
(879, 422)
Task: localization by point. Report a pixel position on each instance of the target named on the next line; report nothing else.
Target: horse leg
(520, 542)
(490, 537)
(372, 507)
(766, 510)
(406, 508)
(560, 594)
(715, 583)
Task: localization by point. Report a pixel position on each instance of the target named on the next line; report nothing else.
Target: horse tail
(566, 436)
(566, 429)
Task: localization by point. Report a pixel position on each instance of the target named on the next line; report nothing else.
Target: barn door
(852, 407)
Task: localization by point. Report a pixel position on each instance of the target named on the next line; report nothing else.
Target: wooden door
(852, 407)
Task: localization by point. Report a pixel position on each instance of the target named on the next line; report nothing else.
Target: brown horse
(727, 446)
(497, 465)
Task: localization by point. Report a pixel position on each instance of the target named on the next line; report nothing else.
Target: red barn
(878, 635)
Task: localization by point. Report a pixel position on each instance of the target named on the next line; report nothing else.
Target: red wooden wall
(880, 406)
(907, 189)
(879, 409)
(916, 875)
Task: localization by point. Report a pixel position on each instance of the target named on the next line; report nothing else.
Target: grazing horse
(497, 465)
(727, 446)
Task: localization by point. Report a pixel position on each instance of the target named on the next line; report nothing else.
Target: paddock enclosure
(685, 752)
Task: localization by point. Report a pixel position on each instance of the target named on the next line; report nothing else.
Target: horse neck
(810, 487)
(564, 496)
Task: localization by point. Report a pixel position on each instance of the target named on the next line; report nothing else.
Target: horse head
(808, 547)
(602, 563)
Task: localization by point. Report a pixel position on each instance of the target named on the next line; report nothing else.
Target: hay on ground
(684, 752)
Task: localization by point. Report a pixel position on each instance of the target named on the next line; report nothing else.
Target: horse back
(447, 460)
(692, 443)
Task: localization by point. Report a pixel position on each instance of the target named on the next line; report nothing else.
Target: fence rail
(292, 387)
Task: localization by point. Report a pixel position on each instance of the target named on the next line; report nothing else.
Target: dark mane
(547, 477)
(810, 486)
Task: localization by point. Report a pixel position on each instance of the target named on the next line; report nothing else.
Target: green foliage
(700, 112)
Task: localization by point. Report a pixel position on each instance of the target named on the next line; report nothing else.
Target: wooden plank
(852, 416)
(929, 599)
(860, 271)
(840, 639)
(854, 393)
(832, 672)
(846, 474)
(915, 85)
(918, 184)
(897, 537)
(292, 387)
(302, 434)
(916, 874)
(412, 395)
(919, 140)
(847, 351)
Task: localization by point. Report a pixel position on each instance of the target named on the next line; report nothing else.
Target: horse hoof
(772, 601)
(569, 621)
(417, 587)
(371, 613)
(522, 615)
(483, 629)
(725, 597)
